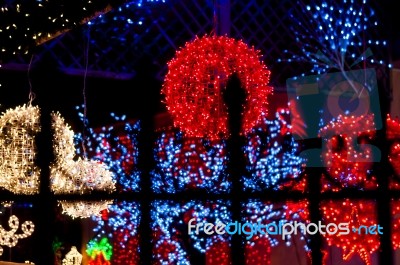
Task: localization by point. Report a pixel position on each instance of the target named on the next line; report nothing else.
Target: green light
(94, 248)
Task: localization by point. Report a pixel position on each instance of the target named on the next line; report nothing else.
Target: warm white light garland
(10, 238)
(82, 177)
(20, 175)
(84, 209)
(18, 172)
(63, 141)
(77, 177)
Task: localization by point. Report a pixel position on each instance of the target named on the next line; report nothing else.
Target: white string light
(63, 146)
(82, 177)
(18, 172)
(10, 238)
(84, 209)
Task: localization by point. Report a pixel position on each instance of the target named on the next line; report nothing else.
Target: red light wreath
(197, 76)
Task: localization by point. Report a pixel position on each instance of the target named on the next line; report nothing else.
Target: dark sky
(63, 92)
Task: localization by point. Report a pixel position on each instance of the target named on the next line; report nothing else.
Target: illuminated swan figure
(20, 174)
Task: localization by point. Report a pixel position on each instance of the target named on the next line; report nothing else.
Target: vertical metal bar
(145, 157)
(150, 87)
(314, 188)
(234, 96)
(46, 214)
(45, 77)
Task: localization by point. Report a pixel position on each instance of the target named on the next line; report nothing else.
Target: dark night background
(127, 65)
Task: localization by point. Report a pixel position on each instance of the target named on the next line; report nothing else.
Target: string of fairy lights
(195, 82)
(100, 250)
(347, 163)
(126, 16)
(272, 154)
(116, 147)
(184, 163)
(167, 227)
(192, 164)
(334, 35)
(73, 257)
(18, 171)
(119, 224)
(10, 237)
(23, 25)
(173, 215)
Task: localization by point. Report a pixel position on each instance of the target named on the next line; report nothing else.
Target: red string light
(99, 260)
(393, 128)
(197, 77)
(356, 214)
(162, 251)
(218, 254)
(393, 134)
(129, 252)
(395, 206)
(259, 252)
(347, 155)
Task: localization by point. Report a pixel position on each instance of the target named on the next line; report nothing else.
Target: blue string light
(170, 219)
(183, 164)
(259, 212)
(120, 226)
(272, 154)
(117, 148)
(334, 34)
(127, 15)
